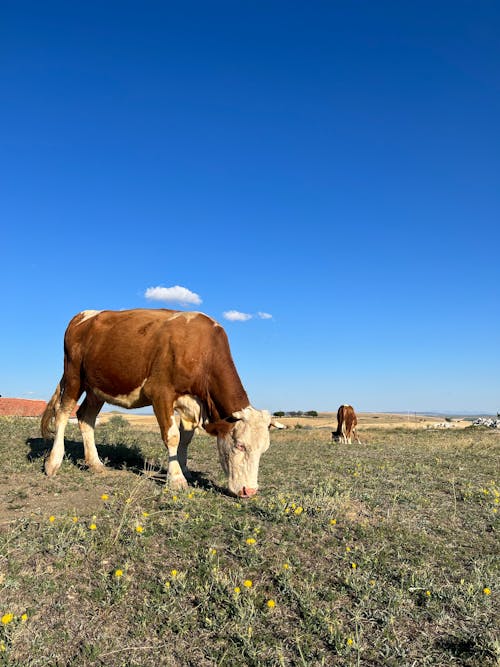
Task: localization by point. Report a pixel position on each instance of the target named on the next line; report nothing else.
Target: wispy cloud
(176, 294)
(237, 316)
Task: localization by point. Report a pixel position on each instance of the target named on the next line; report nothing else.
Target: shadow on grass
(118, 457)
(461, 647)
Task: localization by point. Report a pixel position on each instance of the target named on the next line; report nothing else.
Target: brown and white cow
(173, 360)
(346, 425)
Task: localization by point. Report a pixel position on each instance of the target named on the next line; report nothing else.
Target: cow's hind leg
(87, 415)
(70, 395)
(164, 411)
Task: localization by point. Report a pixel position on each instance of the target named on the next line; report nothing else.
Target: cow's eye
(240, 446)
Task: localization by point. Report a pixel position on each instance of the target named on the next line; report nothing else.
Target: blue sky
(333, 165)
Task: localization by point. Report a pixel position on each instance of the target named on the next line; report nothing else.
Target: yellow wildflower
(118, 573)
(298, 510)
(487, 591)
(93, 526)
(333, 522)
(139, 529)
(286, 566)
(24, 618)
(173, 573)
(237, 590)
(52, 519)
(428, 593)
(104, 496)
(271, 604)
(250, 540)
(2, 647)
(7, 618)
(145, 514)
(248, 583)
(372, 582)
(354, 566)
(350, 641)
(75, 519)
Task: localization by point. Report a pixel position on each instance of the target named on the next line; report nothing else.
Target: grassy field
(378, 554)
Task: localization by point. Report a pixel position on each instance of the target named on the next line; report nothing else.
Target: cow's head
(241, 446)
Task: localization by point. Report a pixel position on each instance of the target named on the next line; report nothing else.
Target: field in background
(377, 554)
(327, 420)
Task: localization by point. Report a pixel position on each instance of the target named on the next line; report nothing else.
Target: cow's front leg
(175, 472)
(171, 437)
(186, 430)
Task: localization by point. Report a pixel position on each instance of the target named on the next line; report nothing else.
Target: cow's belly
(134, 399)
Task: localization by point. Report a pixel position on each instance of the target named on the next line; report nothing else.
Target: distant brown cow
(172, 360)
(346, 425)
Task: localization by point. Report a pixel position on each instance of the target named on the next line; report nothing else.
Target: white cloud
(176, 294)
(236, 316)
(265, 316)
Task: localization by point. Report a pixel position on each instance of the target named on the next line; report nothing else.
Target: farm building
(22, 407)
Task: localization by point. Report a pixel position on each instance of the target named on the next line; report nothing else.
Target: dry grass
(381, 554)
(366, 420)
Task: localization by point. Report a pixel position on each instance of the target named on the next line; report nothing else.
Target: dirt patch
(25, 495)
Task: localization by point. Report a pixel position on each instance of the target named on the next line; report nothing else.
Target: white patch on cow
(132, 400)
(190, 410)
(87, 314)
(187, 315)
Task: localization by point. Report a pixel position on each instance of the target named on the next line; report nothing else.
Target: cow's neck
(225, 394)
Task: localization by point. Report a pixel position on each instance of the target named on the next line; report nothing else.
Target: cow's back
(127, 356)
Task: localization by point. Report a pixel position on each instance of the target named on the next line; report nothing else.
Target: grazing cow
(346, 425)
(172, 360)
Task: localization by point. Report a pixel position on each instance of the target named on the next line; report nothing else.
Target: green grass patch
(377, 554)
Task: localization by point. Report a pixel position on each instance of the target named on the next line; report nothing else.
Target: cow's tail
(48, 417)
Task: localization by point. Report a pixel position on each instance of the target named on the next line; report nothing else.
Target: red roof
(22, 407)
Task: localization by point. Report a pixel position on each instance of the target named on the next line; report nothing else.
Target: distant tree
(279, 413)
(311, 413)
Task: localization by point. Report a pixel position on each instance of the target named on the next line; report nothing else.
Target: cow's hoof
(51, 468)
(177, 483)
(97, 468)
